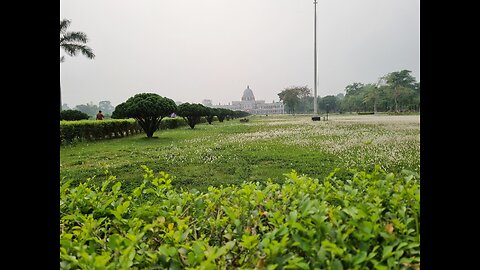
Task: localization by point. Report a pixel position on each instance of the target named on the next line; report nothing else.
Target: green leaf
(164, 250)
(198, 249)
(306, 206)
(249, 241)
(332, 247)
(304, 245)
(359, 258)
(381, 267)
(387, 252)
(114, 241)
(413, 245)
(102, 260)
(401, 245)
(137, 192)
(172, 251)
(116, 187)
(337, 265)
(230, 213)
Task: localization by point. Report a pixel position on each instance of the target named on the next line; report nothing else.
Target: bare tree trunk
(395, 94)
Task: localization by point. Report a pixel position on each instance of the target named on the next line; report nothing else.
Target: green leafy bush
(73, 115)
(193, 113)
(148, 109)
(364, 221)
(96, 130)
(171, 123)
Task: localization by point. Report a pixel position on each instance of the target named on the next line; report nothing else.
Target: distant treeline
(92, 109)
(395, 92)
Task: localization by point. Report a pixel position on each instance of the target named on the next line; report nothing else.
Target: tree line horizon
(397, 91)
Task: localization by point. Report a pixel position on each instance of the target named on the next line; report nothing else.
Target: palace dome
(248, 95)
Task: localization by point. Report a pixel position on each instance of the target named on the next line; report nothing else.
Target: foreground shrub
(364, 221)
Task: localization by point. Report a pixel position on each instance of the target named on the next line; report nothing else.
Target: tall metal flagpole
(315, 114)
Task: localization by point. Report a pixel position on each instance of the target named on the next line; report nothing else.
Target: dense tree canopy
(394, 92)
(222, 113)
(89, 108)
(210, 114)
(353, 89)
(106, 107)
(119, 112)
(328, 104)
(148, 109)
(192, 113)
(292, 96)
(401, 85)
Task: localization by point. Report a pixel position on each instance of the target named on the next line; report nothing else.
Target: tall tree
(417, 96)
(353, 89)
(328, 104)
(89, 108)
(106, 107)
(72, 43)
(292, 96)
(371, 95)
(399, 82)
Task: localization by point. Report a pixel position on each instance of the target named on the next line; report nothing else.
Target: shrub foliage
(73, 115)
(96, 130)
(354, 220)
(148, 109)
(192, 113)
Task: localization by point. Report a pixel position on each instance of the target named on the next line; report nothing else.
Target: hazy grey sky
(190, 50)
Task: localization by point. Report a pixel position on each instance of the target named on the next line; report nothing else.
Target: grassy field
(266, 147)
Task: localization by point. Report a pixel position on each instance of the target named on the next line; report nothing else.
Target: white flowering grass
(265, 147)
(357, 140)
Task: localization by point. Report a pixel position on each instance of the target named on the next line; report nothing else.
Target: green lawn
(266, 147)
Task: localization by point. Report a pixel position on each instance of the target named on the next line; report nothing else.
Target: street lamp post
(315, 116)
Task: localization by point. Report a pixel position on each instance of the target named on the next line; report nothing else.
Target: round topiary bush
(73, 115)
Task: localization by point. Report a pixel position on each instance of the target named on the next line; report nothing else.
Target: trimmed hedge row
(171, 123)
(96, 130)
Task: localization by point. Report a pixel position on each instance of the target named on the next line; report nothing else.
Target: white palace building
(250, 105)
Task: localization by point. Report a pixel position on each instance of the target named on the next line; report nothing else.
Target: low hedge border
(71, 131)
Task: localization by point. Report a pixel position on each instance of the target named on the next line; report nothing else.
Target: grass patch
(266, 147)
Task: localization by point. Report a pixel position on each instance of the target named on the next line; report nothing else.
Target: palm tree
(72, 43)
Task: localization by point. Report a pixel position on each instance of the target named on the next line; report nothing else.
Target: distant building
(207, 102)
(250, 105)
